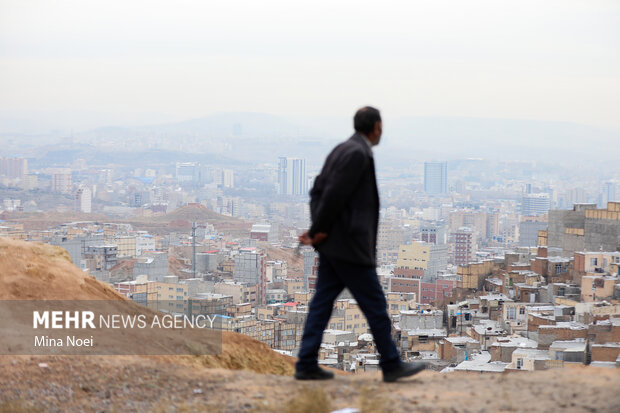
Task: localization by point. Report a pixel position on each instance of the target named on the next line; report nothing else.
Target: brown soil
(126, 384)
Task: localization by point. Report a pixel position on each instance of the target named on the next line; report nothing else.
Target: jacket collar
(358, 137)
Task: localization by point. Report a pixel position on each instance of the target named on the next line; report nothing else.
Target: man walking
(344, 204)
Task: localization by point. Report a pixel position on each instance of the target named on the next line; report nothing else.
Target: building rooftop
(460, 340)
(430, 332)
(569, 345)
(337, 332)
(481, 362)
(606, 364)
(515, 341)
(532, 353)
(498, 297)
(488, 330)
(565, 324)
(607, 345)
(558, 260)
(421, 312)
(210, 296)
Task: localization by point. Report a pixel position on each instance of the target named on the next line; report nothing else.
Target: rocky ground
(145, 384)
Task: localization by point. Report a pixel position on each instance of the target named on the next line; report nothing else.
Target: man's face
(376, 133)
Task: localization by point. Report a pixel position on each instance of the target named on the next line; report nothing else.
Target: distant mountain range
(262, 137)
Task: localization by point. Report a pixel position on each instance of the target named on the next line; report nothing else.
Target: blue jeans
(363, 283)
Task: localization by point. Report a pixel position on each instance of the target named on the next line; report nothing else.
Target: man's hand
(318, 238)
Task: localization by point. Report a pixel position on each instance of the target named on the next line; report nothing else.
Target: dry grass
(169, 407)
(244, 353)
(17, 406)
(309, 400)
(371, 401)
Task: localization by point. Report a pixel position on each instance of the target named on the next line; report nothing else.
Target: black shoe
(404, 370)
(314, 374)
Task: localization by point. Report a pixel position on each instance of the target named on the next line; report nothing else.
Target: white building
(535, 204)
(83, 200)
(144, 242)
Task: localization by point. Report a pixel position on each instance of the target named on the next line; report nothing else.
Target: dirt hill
(46, 220)
(34, 271)
(248, 376)
(180, 220)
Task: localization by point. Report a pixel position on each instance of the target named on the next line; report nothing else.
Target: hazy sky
(91, 62)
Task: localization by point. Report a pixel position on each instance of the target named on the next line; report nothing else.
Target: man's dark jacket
(344, 203)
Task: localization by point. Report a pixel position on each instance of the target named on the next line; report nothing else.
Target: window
(519, 363)
(522, 310)
(511, 313)
(594, 262)
(423, 339)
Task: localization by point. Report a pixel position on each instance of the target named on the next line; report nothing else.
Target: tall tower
(292, 178)
(436, 178)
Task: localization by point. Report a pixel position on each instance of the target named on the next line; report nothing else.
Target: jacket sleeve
(339, 187)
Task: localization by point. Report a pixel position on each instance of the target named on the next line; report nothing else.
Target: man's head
(367, 121)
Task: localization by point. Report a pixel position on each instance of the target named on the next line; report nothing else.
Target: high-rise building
(83, 198)
(433, 234)
(187, 172)
(608, 194)
(61, 180)
(463, 246)
(292, 178)
(13, 168)
(250, 268)
(535, 204)
(105, 176)
(311, 268)
(228, 178)
(435, 178)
